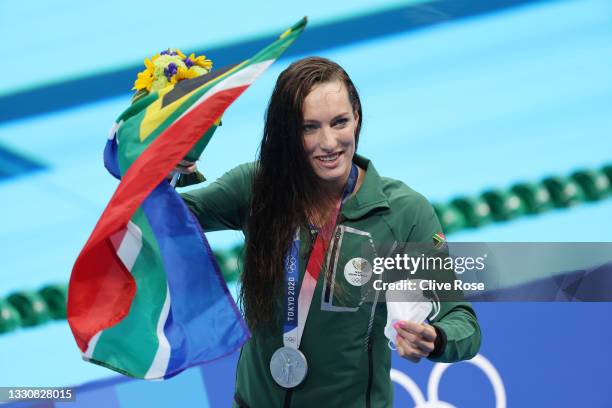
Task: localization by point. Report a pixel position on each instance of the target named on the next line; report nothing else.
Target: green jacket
(348, 363)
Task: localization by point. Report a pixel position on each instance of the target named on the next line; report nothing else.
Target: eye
(341, 122)
(308, 128)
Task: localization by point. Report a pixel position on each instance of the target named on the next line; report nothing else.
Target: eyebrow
(334, 118)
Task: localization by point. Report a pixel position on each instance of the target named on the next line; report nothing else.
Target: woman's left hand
(414, 341)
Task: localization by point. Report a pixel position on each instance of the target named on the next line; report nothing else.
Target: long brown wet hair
(285, 187)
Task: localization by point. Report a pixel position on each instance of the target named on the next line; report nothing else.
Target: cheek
(309, 144)
(348, 135)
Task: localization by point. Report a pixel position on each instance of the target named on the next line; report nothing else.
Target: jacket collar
(370, 195)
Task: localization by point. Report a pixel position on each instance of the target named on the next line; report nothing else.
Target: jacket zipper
(288, 395)
(334, 248)
(370, 373)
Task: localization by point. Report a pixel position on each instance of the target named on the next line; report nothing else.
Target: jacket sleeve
(190, 179)
(459, 335)
(224, 204)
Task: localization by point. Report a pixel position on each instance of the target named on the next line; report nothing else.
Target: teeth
(329, 158)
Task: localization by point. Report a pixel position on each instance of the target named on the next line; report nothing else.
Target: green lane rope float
(504, 205)
(10, 319)
(595, 185)
(450, 217)
(534, 196)
(230, 262)
(33, 308)
(475, 210)
(525, 198)
(55, 297)
(564, 191)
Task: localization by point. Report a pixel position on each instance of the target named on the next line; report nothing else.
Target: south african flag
(146, 297)
(439, 240)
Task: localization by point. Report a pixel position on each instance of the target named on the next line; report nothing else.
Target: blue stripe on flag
(204, 322)
(110, 158)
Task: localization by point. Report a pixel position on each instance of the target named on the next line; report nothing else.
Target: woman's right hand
(183, 167)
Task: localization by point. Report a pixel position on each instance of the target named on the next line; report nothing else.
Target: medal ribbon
(292, 330)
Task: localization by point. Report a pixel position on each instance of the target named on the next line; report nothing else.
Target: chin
(332, 175)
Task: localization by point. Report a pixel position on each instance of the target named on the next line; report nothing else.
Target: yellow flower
(153, 76)
(184, 73)
(149, 63)
(201, 61)
(144, 80)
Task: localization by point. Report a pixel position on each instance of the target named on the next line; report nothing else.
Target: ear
(356, 115)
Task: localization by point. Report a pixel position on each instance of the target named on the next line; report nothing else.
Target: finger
(400, 349)
(188, 167)
(413, 359)
(411, 355)
(411, 327)
(412, 337)
(425, 346)
(425, 331)
(402, 353)
(406, 335)
(415, 341)
(186, 170)
(408, 351)
(429, 332)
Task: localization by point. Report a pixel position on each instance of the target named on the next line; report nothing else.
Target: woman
(328, 349)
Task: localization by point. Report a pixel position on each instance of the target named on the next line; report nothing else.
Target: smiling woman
(330, 124)
(308, 207)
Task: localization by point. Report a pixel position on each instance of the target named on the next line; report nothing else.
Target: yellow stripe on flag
(155, 115)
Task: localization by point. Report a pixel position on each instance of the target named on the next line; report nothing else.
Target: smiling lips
(329, 158)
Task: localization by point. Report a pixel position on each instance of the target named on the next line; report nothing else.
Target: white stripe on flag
(92, 345)
(162, 356)
(130, 246)
(245, 76)
(160, 362)
(128, 252)
(114, 129)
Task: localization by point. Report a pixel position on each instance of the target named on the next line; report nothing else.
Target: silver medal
(288, 367)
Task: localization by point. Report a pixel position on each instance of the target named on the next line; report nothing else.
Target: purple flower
(168, 52)
(170, 70)
(188, 62)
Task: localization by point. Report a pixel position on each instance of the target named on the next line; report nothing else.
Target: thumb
(400, 349)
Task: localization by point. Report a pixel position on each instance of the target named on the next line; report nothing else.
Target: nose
(327, 139)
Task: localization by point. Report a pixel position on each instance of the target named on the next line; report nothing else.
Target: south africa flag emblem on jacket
(439, 240)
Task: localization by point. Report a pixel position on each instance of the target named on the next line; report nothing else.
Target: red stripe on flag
(117, 238)
(101, 289)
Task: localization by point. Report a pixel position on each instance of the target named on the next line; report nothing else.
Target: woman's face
(329, 131)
